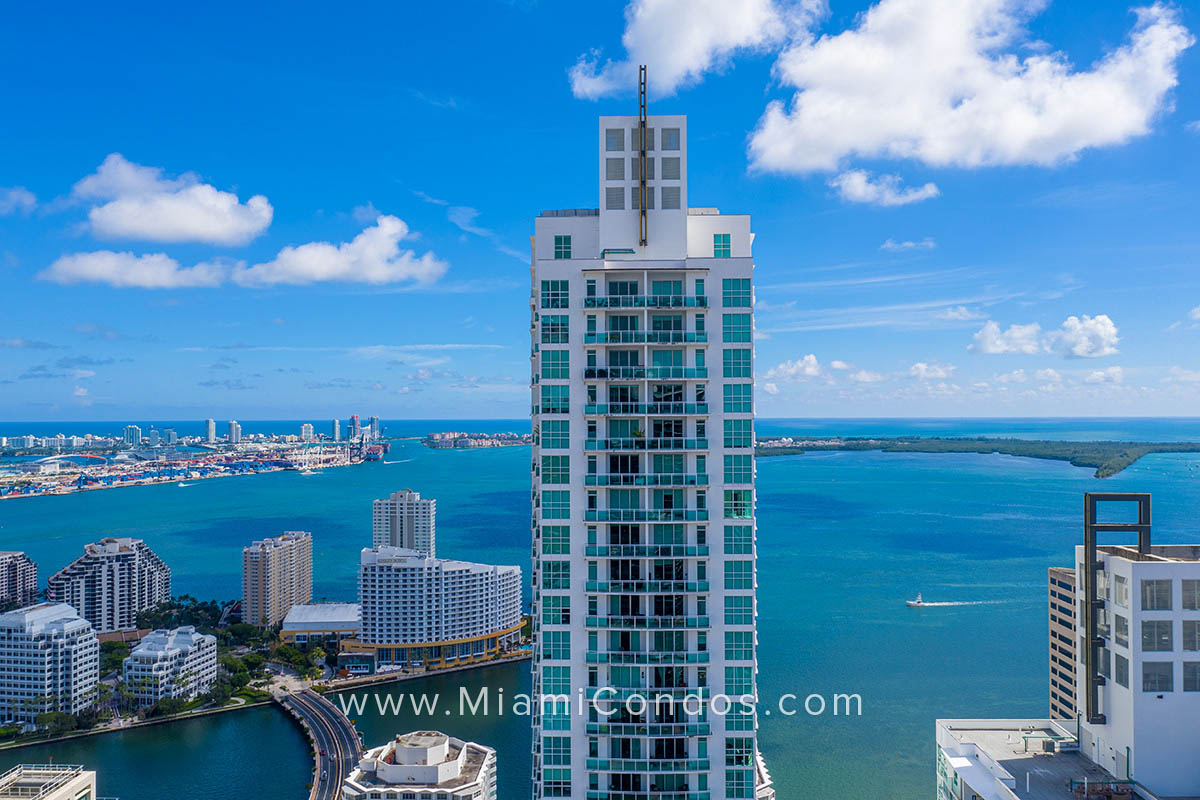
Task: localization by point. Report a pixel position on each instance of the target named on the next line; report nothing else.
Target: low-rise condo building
(404, 519)
(1060, 603)
(18, 579)
(432, 612)
(321, 622)
(113, 581)
(48, 782)
(50, 661)
(178, 663)
(424, 765)
(276, 575)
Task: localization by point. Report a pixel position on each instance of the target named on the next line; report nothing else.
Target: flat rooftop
(323, 612)
(31, 781)
(1161, 553)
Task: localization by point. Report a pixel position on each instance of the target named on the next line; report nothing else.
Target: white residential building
(177, 663)
(133, 435)
(276, 575)
(306, 432)
(235, 432)
(48, 782)
(424, 765)
(115, 579)
(433, 611)
(210, 431)
(403, 519)
(51, 662)
(18, 578)
(643, 477)
(335, 430)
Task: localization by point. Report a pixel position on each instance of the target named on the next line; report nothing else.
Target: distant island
(1107, 458)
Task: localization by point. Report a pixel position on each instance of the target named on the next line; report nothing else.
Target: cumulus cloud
(891, 245)
(771, 388)
(1109, 375)
(1049, 375)
(866, 376)
(1181, 375)
(958, 314)
(959, 83)
(990, 340)
(928, 372)
(799, 369)
(16, 199)
(857, 186)
(374, 256)
(840, 365)
(19, 343)
(1016, 376)
(139, 202)
(126, 270)
(1089, 337)
(679, 41)
(1193, 126)
(1194, 314)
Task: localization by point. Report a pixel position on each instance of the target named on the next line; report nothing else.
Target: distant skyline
(975, 209)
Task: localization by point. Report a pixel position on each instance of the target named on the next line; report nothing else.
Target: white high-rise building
(235, 432)
(335, 430)
(433, 611)
(643, 479)
(18, 578)
(374, 428)
(112, 581)
(306, 432)
(176, 663)
(133, 435)
(210, 431)
(404, 519)
(51, 662)
(276, 575)
(424, 765)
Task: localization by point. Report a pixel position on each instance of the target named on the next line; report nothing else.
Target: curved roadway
(338, 749)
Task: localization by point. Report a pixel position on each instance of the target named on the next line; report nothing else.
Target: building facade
(276, 575)
(210, 431)
(335, 430)
(424, 765)
(235, 432)
(1060, 603)
(406, 520)
(51, 662)
(115, 579)
(643, 479)
(434, 612)
(179, 663)
(18, 579)
(306, 432)
(321, 622)
(48, 782)
(132, 436)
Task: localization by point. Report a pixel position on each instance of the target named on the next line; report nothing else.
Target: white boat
(915, 603)
(308, 472)
(182, 484)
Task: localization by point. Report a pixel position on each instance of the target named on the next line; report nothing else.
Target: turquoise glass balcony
(645, 444)
(647, 515)
(635, 409)
(646, 480)
(645, 337)
(647, 301)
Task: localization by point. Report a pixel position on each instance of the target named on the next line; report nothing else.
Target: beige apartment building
(276, 575)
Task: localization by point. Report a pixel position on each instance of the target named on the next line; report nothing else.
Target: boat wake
(401, 461)
(944, 603)
(181, 484)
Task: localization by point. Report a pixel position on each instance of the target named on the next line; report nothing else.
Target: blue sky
(962, 207)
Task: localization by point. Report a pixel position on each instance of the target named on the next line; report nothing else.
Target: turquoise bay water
(844, 538)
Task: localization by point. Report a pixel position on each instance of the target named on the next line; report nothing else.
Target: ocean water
(844, 539)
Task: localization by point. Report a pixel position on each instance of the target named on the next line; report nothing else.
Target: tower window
(562, 246)
(670, 139)
(614, 198)
(614, 139)
(670, 169)
(721, 245)
(614, 169)
(670, 197)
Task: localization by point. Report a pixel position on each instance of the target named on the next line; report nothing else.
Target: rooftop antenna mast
(642, 226)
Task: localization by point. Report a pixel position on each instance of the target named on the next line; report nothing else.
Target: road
(337, 744)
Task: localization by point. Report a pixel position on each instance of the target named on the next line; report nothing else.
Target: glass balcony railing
(645, 337)
(620, 409)
(646, 301)
(643, 373)
(648, 658)
(641, 586)
(649, 729)
(621, 794)
(646, 550)
(647, 515)
(645, 444)
(646, 480)
(648, 765)
(647, 623)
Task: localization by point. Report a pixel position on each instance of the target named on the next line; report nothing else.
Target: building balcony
(649, 729)
(646, 586)
(647, 515)
(646, 337)
(638, 409)
(657, 659)
(617, 794)
(647, 623)
(646, 550)
(664, 479)
(648, 765)
(643, 443)
(641, 373)
(647, 301)
(621, 694)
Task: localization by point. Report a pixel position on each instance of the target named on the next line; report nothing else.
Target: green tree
(56, 722)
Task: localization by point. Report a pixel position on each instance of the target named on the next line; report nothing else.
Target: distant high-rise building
(18, 579)
(335, 430)
(355, 427)
(114, 580)
(170, 436)
(51, 659)
(154, 438)
(643, 479)
(210, 431)
(235, 432)
(306, 432)
(133, 435)
(276, 575)
(403, 519)
(1061, 606)
(177, 663)
(374, 430)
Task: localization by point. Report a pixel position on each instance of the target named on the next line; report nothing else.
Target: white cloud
(991, 340)
(142, 204)
(374, 256)
(928, 372)
(799, 369)
(1089, 337)
(841, 365)
(770, 388)
(1049, 375)
(1016, 376)
(1181, 375)
(80, 391)
(16, 198)
(958, 314)
(960, 83)
(126, 270)
(1109, 375)
(1194, 314)
(856, 186)
(893, 246)
(679, 41)
(1193, 126)
(865, 376)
